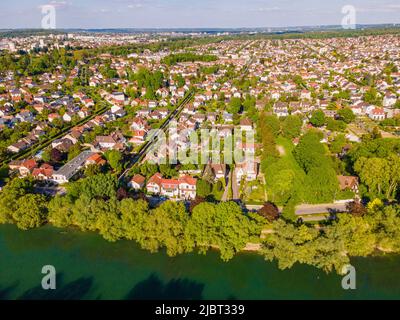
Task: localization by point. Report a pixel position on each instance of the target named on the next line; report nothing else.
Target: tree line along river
(88, 267)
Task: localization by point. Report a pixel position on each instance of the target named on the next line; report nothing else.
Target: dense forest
(187, 57)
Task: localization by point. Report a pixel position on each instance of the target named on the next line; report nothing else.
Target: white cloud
(385, 8)
(268, 9)
(135, 6)
(56, 4)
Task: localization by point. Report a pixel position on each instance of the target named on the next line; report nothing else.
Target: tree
(269, 211)
(338, 143)
(335, 125)
(10, 198)
(203, 188)
(346, 115)
(107, 222)
(168, 171)
(355, 235)
(372, 97)
(235, 105)
(92, 170)
(195, 203)
(148, 169)
(385, 221)
(356, 208)
(318, 118)
(187, 57)
(290, 244)
(381, 176)
(267, 127)
(56, 155)
(223, 225)
(102, 186)
(310, 153)
(272, 122)
(165, 227)
(74, 151)
(46, 156)
(60, 211)
(133, 216)
(114, 158)
(321, 185)
(291, 127)
(122, 194)
(30, 211)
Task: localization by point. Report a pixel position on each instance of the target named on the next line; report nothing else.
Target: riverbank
(249, 248)
(91, 268)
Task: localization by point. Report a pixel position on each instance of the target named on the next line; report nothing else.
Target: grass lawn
(288, 158)
(254, 192)
(284, 176)
(218, 194)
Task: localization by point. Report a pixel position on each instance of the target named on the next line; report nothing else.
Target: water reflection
(177, 289)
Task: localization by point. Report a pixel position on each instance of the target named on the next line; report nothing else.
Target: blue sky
(192, 14)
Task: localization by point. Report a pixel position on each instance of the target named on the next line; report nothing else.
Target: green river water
(88, 267)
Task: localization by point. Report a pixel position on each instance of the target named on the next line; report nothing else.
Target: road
(138, 157)
(228, 186)
(235, 186)
(307, 209)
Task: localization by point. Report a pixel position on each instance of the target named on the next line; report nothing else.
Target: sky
(194, 13)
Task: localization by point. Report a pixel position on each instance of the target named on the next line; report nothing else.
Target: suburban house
(138, 137)
(114, 141)
(44, 172)
(18, 146)
(137, 182)
(182, 188)
(24, 167)
(187, 187)
(281, 109)
(65, 173)
(348, 183)
(246, 125)
(215, 171)
(154, 184)
(247, 170)
(95, 159)
(377, 114)
(389, 100)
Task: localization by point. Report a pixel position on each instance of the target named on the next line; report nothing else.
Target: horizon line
(206, 28)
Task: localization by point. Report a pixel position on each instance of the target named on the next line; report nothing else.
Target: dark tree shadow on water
(177, 289)
(75, 290)
(5, 292)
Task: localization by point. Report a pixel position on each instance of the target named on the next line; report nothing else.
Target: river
(88, 267)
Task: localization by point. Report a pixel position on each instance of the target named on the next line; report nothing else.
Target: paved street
(153, 138)
(235, 186)
(320, 208)
(228, 185)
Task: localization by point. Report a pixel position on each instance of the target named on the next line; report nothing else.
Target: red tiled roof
(29, 164)
(189, 180)
(139, 179)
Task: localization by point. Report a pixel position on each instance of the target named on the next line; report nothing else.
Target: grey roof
(72, 167)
